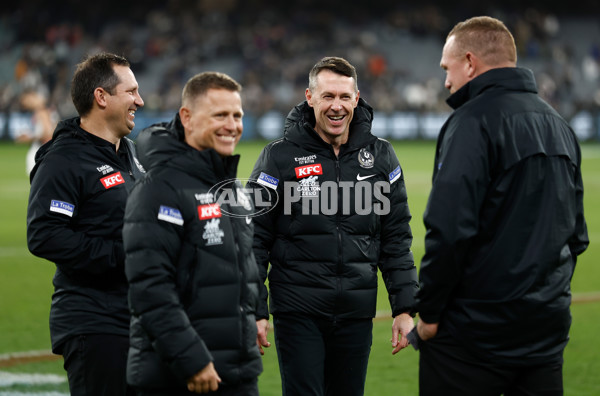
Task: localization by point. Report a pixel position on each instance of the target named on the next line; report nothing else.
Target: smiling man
(192, 274)
(344, 214)
(79, 187)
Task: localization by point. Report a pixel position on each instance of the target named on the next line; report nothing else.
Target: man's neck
(100, 129)
(335, 142)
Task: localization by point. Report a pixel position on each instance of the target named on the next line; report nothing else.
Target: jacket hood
(64, 129)
(300, 122)
(508, 78)
(67, 133)
(163, 145)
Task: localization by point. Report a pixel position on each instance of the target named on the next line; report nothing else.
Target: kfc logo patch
(112, 180)
(209, 211)
(308, 170)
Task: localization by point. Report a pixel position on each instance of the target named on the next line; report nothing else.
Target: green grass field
(25, 284)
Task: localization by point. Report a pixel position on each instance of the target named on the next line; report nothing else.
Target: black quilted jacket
(325, 263)
(189, 261)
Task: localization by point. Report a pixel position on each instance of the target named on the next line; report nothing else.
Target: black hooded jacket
(79, 188)
(338, 219)
(504, 222)
(192, 274)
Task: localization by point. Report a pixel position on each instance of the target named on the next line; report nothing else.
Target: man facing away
(79, 187)
(192, 273)
(342, 214)
(504, 226)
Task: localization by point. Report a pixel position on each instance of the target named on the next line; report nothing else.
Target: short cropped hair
(486, 37)
(336, 65)
(199, 84)
(93, 72)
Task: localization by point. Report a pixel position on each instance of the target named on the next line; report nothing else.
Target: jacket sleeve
(265, 225)
(154, 248)
(580, 240)
(452, 214)
(396, 259)
(51, 230)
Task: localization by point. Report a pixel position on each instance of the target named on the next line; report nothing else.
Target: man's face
(333, 101)
(124, 102)
(214, 120)
(455, 63)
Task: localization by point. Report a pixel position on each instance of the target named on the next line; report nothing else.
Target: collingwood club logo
(366, 159)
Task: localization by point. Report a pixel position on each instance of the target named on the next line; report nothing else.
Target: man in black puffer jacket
(342, 214)
(79, 187)
(189, 260)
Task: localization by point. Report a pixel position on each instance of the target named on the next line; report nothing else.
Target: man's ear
(472, 64)
(308, 96)
(100, 97)
(185, 115)
(357, 97)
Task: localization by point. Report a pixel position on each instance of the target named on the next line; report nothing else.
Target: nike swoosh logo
(248, 220)
(359, 177)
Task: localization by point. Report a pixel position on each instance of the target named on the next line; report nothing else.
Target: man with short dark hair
(504, 226)
(79, 187)
(192, 274)
(342, 215)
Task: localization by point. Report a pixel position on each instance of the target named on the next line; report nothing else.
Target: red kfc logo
(209, 211)
(308, 170)
(112, 180)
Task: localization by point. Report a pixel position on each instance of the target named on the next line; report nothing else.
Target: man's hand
(206, 380)
(262, 326)
(426, 330)
(402, 325)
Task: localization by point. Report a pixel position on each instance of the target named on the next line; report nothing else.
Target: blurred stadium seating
(269, 46)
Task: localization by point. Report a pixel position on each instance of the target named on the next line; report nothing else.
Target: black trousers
(322, 357)
(96, 365)
(447, 368)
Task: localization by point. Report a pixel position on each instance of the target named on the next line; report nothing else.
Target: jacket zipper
(339, 234)
(240, 264)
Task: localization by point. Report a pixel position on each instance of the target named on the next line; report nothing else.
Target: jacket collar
(508, 78)
(69, 132)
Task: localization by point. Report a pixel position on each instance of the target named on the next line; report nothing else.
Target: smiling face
(333, 99)
(122, 104)
(213, 120)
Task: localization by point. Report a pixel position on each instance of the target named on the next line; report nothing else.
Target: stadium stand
(269, 46)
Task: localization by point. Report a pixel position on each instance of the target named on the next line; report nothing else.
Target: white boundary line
(16, 358)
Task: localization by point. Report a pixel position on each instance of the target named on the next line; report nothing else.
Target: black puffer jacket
(79, 187)
(325, 263)
(504, 222)
(193, 277)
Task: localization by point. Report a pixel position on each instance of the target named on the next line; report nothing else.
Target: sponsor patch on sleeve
(395, 175)
(170, 215)
(62, 207)
(267, 180)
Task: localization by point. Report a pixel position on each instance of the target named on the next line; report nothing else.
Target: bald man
(504, 227)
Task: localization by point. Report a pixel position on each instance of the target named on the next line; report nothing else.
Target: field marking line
(14, 393)
(10, 379)
(16, 358)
